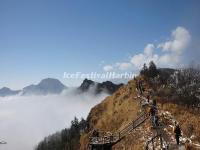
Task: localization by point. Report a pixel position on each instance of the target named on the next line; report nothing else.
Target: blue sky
(44, 38)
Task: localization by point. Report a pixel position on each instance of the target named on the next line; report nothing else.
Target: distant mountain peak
(86, 84)
(49, 80)
(46, 86)
(5, 91)
(5, 88)
(106, 86)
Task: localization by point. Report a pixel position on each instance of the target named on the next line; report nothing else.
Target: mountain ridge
(106, 86)
(46, 86)
(54, 86)
(5, 91)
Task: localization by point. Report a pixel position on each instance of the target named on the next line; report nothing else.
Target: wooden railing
(116, 137)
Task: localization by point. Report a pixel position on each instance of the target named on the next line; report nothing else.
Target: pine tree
(144, 70)
(152, 71)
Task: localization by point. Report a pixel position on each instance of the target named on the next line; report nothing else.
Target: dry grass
(191, 147)
(113, 113)
(189, 121)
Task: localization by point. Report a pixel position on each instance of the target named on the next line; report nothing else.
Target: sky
(45, 38)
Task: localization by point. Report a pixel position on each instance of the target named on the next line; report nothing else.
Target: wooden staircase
(106, 142)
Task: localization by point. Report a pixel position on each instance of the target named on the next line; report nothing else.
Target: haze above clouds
(26, 120)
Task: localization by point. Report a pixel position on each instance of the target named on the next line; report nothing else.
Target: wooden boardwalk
(116, 137)
(106, 142)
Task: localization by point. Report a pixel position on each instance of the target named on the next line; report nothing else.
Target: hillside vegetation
(67, 139)
(177, 95)
(175, 102)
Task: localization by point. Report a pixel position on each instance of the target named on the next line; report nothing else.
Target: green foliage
(150, 72)
(144, 70)
(67, 139)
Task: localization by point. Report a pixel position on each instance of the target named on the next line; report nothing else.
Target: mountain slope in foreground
(121, 108)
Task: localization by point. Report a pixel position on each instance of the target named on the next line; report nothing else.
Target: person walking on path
(177, 131)
(153, 114)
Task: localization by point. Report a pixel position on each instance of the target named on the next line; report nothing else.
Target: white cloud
(123, 65)
(174, 48)
(138, 60)
(118, 66)
(180, 38)
(168, 60)
(26, 120)
(145, 57)
(108, 68)
(170, 52)
(148, 50)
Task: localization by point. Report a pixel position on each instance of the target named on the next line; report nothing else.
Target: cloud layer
(165, 54)
(25, 120)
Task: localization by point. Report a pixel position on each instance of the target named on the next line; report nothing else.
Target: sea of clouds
(26, 120)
